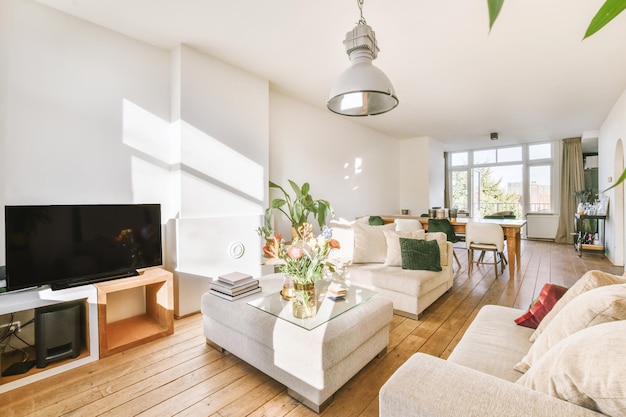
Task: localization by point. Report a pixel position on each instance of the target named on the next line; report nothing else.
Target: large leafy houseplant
(297, 208)
(609, 10)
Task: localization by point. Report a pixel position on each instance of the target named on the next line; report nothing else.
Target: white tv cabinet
(44, 296)
(103, 338)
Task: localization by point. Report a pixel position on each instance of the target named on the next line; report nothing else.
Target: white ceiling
(532, 78)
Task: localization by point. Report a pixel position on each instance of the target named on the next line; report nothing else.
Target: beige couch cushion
(590, 280)
(599, 305)
(370, 244)
(586, 368)
(493, 343)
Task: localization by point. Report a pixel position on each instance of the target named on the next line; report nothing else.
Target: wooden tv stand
(158, 320)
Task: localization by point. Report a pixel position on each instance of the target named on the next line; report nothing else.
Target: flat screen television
(70, 245)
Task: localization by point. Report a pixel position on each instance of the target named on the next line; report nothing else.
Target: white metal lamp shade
(362, 90)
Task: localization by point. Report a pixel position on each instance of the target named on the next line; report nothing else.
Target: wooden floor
(181, 375)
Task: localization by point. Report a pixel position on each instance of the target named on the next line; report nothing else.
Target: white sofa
(576, 363)
(373, 259)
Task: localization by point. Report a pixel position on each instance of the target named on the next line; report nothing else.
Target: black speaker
(57, 332)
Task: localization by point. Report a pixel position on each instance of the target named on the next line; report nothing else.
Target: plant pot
(304, 301)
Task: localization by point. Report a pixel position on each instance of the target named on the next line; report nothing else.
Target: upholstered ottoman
(313, 364)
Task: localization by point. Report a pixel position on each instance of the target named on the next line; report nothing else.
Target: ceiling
(531, 78)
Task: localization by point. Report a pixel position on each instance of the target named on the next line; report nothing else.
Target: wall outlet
(14, 327)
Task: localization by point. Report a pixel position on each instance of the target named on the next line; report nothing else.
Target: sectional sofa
(572, 364)
(372, 256)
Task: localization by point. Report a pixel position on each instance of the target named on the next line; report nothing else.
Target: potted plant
(297, 208)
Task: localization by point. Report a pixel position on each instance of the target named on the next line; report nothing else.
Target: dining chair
(486, 237)
(444, 225)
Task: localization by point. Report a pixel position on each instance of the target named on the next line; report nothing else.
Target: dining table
(512, 229)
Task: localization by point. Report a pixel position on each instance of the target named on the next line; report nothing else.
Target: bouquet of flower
(305, 258)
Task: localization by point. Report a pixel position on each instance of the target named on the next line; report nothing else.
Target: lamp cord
(362, 19)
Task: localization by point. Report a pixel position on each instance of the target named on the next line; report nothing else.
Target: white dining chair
(485, 237)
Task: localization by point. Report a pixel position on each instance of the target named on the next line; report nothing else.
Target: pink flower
(295, 252)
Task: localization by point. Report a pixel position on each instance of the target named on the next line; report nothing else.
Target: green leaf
(305, 188)
(494, 7)
(618, 182)
(278, 203)
(295, 187)
(609, 10)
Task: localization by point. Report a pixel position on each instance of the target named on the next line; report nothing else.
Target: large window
(514, 178)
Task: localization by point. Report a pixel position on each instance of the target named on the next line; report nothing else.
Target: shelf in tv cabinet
(13, 302)
(158, 320)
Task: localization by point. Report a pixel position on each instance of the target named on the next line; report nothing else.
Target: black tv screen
(68, 245)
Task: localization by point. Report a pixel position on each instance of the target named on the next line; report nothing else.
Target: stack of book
(234, 286)
(336, 292)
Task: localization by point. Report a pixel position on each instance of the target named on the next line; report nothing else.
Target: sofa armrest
(428, 386)
(450, 247)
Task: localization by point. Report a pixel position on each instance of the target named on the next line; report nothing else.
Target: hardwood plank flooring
(180, 375)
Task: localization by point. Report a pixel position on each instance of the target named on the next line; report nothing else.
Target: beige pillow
(586, 368)
(590, 280)
(442, 240)
(599, 305)
(370, 244)
(394, 255)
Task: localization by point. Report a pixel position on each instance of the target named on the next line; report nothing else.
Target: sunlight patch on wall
(352, 172)
(190, 173)
(214, 159)
(146, 132)
(151, 183)
(201, 198)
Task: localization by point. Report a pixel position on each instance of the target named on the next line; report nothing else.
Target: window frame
(526, 163)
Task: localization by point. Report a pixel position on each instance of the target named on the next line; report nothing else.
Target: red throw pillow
(548, 297)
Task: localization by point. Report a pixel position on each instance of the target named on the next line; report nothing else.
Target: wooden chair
(485, 237)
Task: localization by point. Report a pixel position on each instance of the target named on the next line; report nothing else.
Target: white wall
(5, 22)
(93, 116)
(87, 115)
(66, 84)
(613, 129)
(422, 179)
(353, 167)
(220, 116)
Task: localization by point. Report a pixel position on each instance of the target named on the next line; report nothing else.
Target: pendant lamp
(362, 89)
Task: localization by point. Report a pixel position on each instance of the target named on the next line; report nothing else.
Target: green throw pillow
(419, 254)
(375, 221)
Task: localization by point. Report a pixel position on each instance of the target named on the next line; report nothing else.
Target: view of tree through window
(515, 178)
(498, 193)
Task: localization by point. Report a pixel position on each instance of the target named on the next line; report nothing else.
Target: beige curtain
(572, 179)
(447, 190)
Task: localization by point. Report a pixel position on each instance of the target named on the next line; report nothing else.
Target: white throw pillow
(407, 225)
(599, 305)
(586, 368)
(344, 233)
(370, 244)
(590, 280)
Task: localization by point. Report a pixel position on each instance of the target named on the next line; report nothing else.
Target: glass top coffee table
(327, 309)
